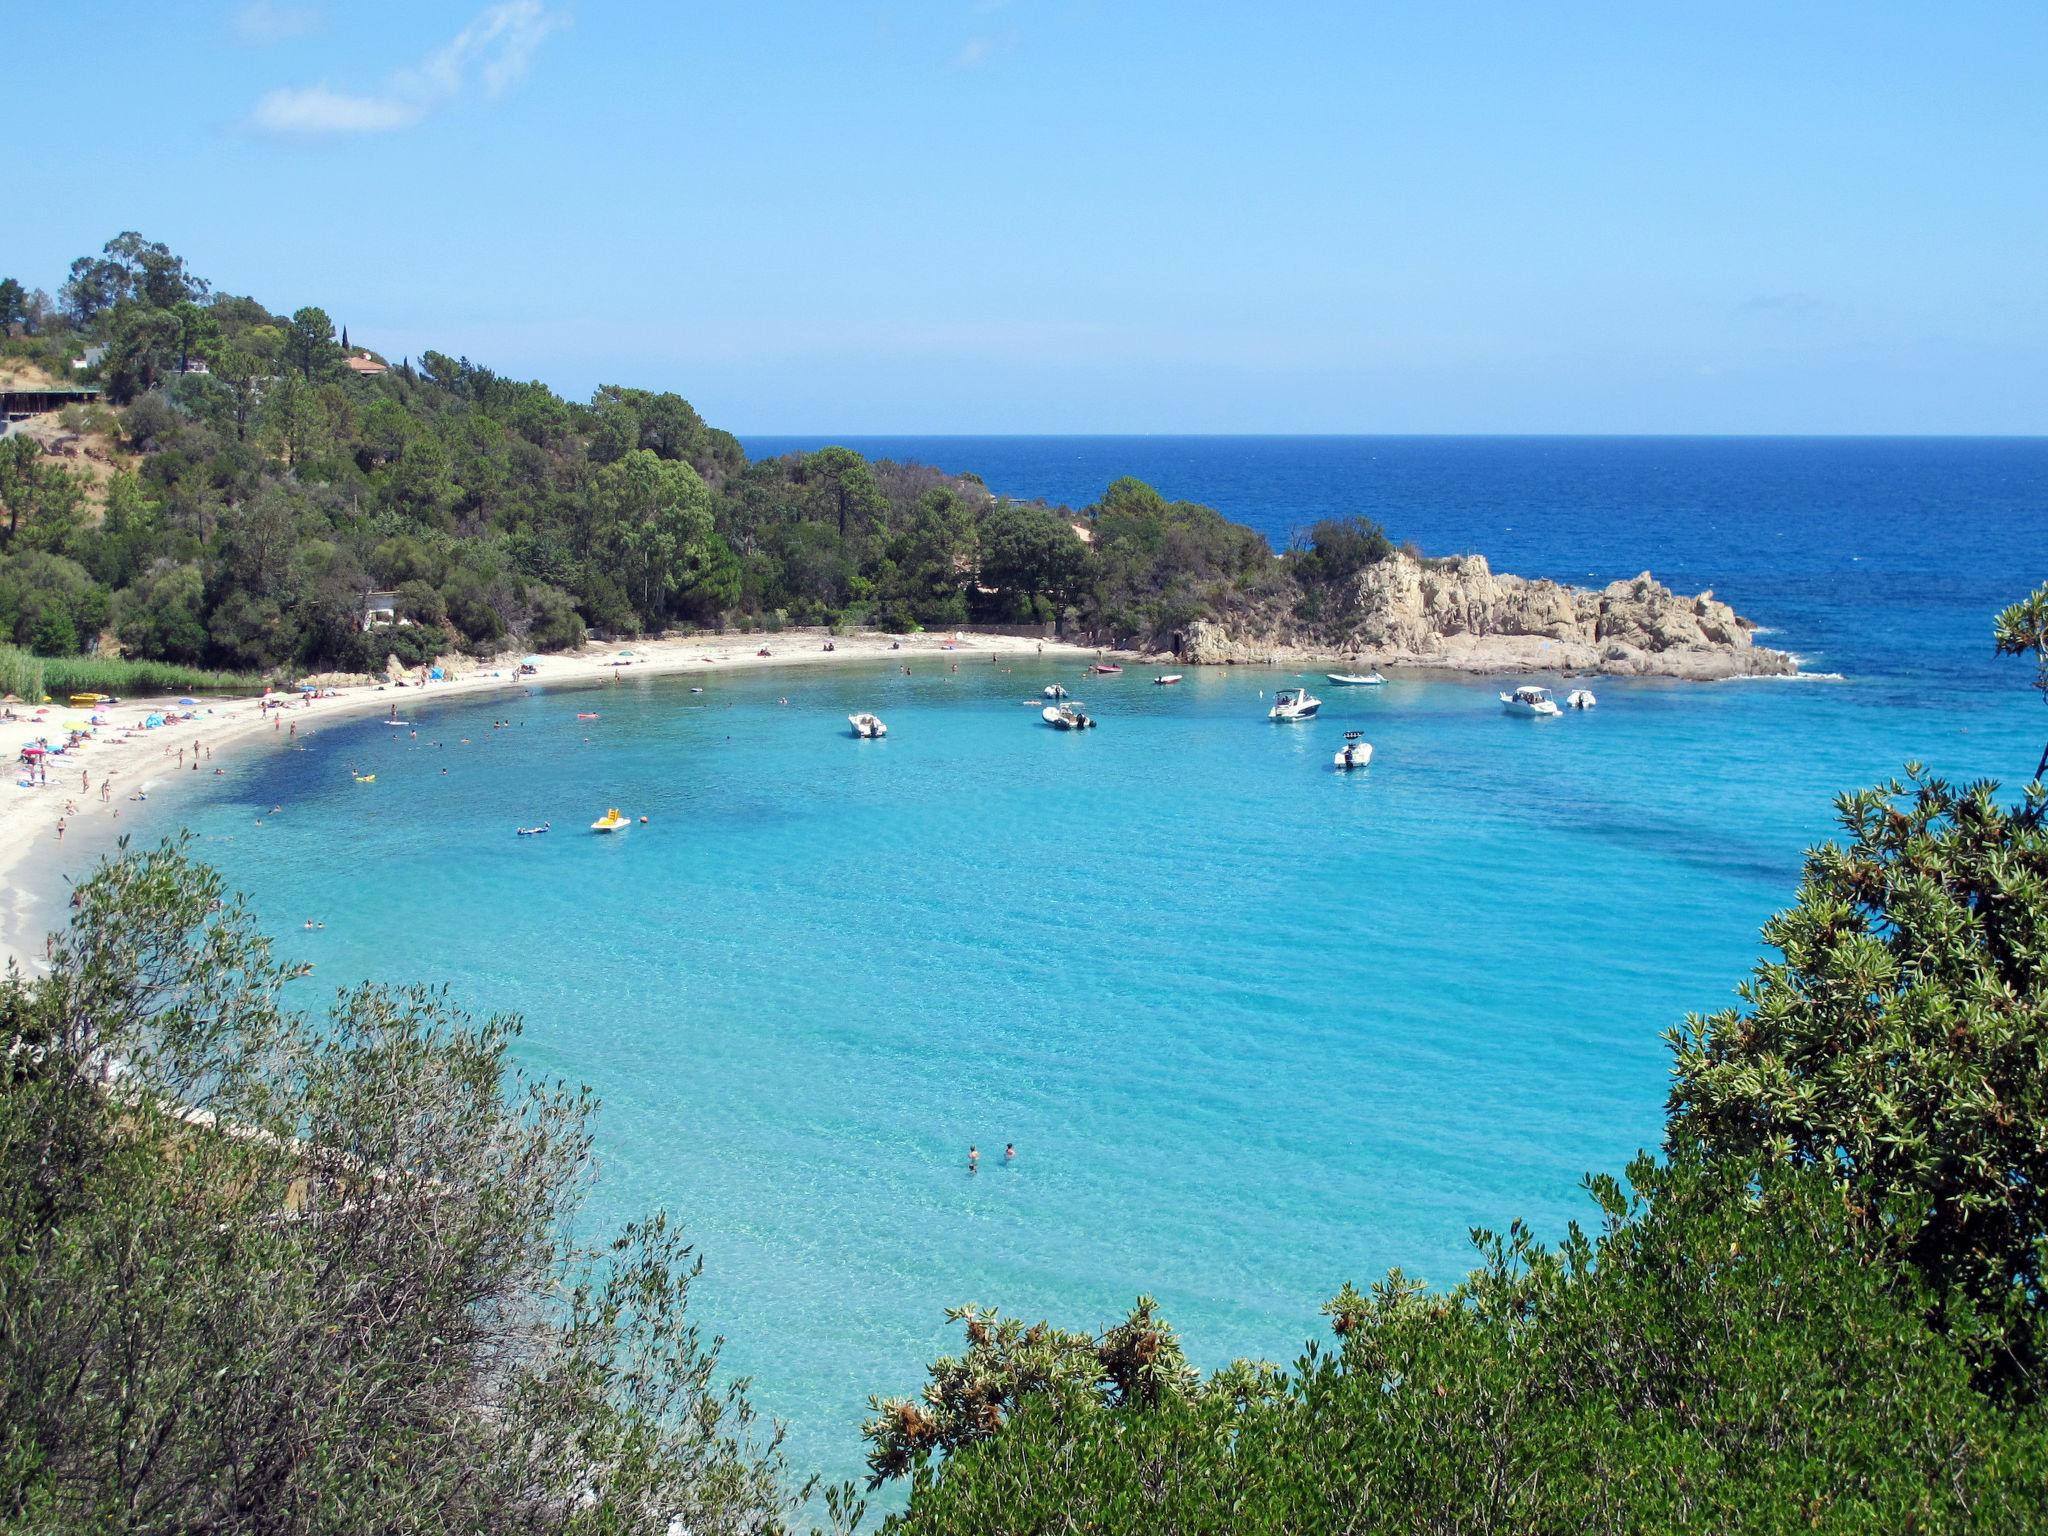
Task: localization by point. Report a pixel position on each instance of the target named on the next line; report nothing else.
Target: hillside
(260, 473)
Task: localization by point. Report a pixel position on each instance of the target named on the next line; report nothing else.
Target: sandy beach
(90, 786)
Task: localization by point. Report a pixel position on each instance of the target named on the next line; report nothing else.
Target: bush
(317, 1276)
(1719, 1359)
(1899, 1045)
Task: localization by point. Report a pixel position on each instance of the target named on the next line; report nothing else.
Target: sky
(928, 216)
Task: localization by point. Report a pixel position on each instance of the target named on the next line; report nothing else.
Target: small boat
(366, 778)
(398, 722)
(590, 716)
(1355, 679)
(1055, 691)
(1530, 702)
(1580, 698)
(696, 690)
(610, 821)
(1065, 717)
(1292, 704)
(869, 726)
(1106, 669)
(1166, 679)
(535, 831)
(1355, 753)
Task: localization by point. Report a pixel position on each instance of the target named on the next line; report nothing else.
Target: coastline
(228, 729)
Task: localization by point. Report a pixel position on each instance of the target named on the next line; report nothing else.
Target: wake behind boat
(1293, 704)
(867, 726)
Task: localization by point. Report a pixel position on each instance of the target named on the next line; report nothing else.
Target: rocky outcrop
(1459, 614)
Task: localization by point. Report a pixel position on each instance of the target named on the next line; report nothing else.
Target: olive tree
(271, 1273)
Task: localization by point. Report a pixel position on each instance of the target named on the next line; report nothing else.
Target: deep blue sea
(1255, 1028)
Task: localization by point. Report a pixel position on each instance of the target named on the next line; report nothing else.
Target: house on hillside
(380, 610)
(363, 364)
(93, 357)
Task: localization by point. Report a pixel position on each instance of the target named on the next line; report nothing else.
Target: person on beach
(60, 829)
(85, 781)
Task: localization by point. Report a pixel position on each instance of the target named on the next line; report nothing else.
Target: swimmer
(1009, 1151)
(973, 1158)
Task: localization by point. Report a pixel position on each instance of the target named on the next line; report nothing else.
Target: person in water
(1009, 1151)
(973, 1159)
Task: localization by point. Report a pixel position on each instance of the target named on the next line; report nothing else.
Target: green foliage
(286, 1274)
(1898, 1045)
(285, 480)
(2022, 630)
(1719, 1358)
(63, 675)
(970, 1397)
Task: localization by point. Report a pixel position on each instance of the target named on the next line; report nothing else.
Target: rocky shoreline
(1459, 615)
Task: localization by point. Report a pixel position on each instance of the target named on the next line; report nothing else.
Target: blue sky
(1083, 215)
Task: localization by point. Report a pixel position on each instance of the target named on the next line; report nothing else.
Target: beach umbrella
(188, 701)
(309, 687)
(529, 661)
(31, 751)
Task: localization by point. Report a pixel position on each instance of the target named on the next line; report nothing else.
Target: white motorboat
(869, 726)
(1580, 698)
(1530, 701)
(1166, 678)
(1355, 679)
(1355, 753)
(1291, 704)
(1065, 717)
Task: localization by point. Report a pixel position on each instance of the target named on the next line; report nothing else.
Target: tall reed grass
(29, 676)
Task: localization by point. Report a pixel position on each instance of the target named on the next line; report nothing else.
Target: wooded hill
(269, 472)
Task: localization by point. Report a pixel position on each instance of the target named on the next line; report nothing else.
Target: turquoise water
(1255, 1027)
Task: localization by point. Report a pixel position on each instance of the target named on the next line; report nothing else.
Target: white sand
(228, 730)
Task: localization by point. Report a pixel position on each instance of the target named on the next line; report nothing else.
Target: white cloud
(494, 52)
(974, 53)
(265, 21)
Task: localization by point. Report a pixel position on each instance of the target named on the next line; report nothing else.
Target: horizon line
(1930, 437)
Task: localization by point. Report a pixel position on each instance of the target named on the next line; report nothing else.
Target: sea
(1253, 1027)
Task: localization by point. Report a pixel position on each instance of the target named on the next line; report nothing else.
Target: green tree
(163, 615)
(309, 343)
(1898, 1043)
(315, 1276)
(1720, 1358)
(143, 349)
(2022, 630)
(13, 305)
(656, 514)
(1029, 549)
(21, 474)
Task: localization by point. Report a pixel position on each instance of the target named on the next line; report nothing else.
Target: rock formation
(1457, 613)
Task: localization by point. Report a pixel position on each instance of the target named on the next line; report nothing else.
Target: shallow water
(1255, 1027)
